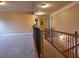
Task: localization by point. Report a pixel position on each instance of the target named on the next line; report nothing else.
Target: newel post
(76, 48)
(42, 42)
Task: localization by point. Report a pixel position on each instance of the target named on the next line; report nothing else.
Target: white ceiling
(29, 6)
(53, 6)
(17, 6)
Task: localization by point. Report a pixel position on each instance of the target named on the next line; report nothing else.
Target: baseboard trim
(30, 33)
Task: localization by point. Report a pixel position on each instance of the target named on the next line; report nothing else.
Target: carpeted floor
(17, 46)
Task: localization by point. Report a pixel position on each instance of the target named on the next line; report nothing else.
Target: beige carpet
(17, 46)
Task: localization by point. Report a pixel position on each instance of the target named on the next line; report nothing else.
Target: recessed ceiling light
(2, 3)
(44, 5)
(39, 13)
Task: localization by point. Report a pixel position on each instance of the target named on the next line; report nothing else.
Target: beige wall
(16, 22)
(67, 20)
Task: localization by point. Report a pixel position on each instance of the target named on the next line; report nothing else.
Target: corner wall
(67, 20)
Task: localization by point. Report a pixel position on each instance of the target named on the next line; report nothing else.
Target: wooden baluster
(48, 35)
(55, 38)
(51, 37)
(63, 43)
(60, 42)
(72, 43)
(68, 45)
(71, 46)
(76, 48)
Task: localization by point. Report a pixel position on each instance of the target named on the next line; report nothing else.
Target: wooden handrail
(61, 32)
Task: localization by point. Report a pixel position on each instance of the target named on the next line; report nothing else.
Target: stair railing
(66, 43)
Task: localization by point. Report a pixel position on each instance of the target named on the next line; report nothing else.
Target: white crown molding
(65, 8)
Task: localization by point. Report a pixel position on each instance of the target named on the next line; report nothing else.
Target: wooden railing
(66, 43)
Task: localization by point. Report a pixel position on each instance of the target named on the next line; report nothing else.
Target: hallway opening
(39, 29)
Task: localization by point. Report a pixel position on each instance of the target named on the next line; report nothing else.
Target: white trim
(65, 7)
(31, 33)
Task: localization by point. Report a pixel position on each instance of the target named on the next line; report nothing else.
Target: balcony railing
(66, 43)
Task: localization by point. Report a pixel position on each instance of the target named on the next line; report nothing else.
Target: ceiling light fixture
(2, 3)
(44, 5)
(40, 13)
